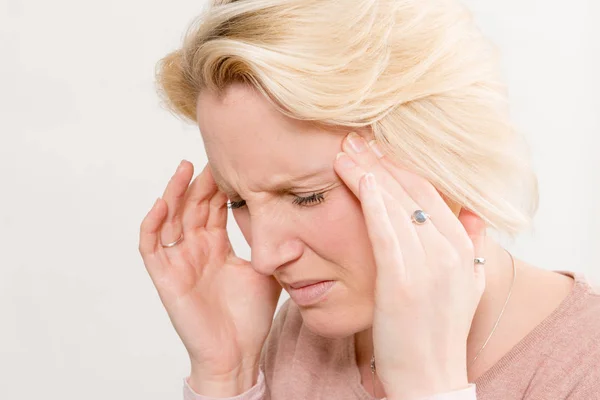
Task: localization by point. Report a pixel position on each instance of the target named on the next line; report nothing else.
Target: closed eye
(314, 198)
(307, 201)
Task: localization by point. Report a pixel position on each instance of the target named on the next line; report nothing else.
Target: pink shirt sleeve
(256, 392)
(259, 391)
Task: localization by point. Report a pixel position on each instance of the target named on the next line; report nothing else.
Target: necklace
(514, 277)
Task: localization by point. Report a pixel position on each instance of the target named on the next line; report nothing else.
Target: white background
(85, 149)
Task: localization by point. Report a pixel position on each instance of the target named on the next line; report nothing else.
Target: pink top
(559, 359)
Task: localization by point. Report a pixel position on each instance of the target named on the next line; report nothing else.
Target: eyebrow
(277, 187)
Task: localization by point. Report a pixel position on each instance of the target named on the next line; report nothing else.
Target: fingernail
(356, 142)
(375, 148)
(369, 181)
(344, 160)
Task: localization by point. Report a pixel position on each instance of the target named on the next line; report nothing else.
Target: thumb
(476, 230)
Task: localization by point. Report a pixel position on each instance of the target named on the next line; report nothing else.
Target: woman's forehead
(246, 138)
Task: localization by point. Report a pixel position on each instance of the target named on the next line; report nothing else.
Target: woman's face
(269, 161)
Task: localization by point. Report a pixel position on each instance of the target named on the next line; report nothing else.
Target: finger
(217, 217)
(150, 227)
(477, 232)
(480, 279)
(427, 196)
(475, 229)
(174, 195)
(357, 148)
(386, 247)
(202, 187)
(402, 226)
(201, 192)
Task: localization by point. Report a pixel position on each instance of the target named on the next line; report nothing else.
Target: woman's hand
(427, 287)
(220, 307)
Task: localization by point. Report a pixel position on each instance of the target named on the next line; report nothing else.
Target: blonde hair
(418, 73)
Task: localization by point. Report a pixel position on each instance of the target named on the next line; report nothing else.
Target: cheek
(335, 232)
(338, 234)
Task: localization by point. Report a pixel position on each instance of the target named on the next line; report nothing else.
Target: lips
(301, 284)
(309, 293)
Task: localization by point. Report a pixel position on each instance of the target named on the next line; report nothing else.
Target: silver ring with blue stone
(480, 260)
(419, 217)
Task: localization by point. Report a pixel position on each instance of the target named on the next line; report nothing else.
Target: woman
(379, 236)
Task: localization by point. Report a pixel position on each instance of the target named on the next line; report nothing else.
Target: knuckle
(370, 163)
(413, 292)
(143, 250)
(386, 241)
(144, 247)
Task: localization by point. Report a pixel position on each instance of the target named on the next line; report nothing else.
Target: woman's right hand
(221, 308)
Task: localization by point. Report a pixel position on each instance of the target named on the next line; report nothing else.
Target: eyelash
(299, 200)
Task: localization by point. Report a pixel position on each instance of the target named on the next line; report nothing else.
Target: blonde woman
(365, 149)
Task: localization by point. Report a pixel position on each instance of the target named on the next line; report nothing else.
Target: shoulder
(568, 352)
(581, 309)
(563, 302)
(572, 336)
(559, 358)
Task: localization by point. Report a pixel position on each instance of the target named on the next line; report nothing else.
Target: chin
(336, 323)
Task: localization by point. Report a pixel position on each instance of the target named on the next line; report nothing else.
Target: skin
(292, 242)
(250, 148)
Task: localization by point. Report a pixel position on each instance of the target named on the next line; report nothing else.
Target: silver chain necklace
(374, 369)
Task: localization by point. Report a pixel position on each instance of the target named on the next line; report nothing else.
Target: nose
(273, 242)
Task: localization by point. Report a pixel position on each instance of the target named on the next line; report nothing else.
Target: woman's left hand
(427, 287)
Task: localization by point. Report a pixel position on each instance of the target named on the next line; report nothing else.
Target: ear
(475, 228)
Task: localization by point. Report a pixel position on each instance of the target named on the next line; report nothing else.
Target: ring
(479, 260)
(419, 217)
(173, 243)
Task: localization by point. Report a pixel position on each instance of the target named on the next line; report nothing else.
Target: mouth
(302, 284)
(305, 293)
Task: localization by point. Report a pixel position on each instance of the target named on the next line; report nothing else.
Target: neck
(499, 272)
